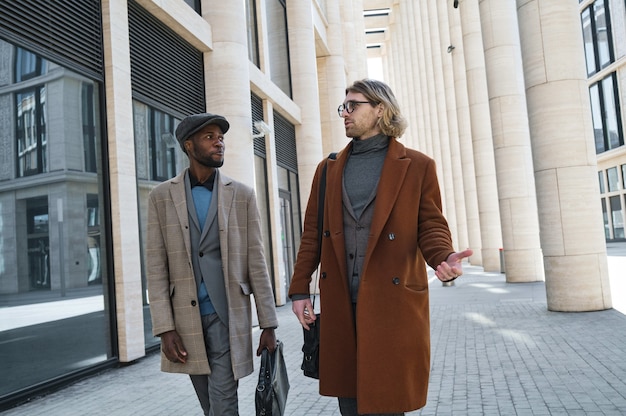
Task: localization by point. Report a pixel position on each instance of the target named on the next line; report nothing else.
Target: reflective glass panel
(54, 316)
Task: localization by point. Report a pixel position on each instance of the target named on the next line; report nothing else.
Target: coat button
(323, 275)
(326, 233)
(193, 303)
(201, 254)
(395, 280)
(392, 236)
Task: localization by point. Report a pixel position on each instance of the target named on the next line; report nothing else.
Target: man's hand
(451, 268)
(304, 312)
(173, 348)
(268, 340)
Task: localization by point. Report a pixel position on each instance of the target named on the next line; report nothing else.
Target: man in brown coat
(204, 259)
(382, 221)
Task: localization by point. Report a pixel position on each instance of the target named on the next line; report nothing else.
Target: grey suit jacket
(171, 285)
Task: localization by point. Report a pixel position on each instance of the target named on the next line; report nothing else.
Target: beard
(211, 163)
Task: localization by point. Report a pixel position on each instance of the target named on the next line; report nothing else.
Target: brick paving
(496, 350)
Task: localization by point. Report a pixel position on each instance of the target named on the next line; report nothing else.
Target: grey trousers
(217, 392)
(347, 407)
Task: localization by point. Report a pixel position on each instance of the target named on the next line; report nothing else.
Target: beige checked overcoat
(171, 284)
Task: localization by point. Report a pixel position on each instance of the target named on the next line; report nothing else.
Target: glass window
(596, 118)
(612, 125)
(278, 45)
(253, 38)
(617, 216)
(605, 216)
(54, 317)
(158, 158)
(606, 114)
(624, 176)
(601, 181)
(596, 25)
(28, 65)
(603, 32)
(613, 179)
(90, 132)
(30, 123)
(588, 39)
(194, 4)
(163, 145)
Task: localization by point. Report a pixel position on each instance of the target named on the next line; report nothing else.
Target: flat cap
(194, 123)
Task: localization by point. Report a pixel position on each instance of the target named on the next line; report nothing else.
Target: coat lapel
(225, 195)
(178, 195)
(391, 180)
(334, 203)
(389, 185)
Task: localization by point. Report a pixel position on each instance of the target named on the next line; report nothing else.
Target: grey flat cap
(194, 123)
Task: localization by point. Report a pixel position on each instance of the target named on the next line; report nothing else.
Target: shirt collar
(208, 184)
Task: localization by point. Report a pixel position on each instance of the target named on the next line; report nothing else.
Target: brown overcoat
(171, 284)
(384, 362)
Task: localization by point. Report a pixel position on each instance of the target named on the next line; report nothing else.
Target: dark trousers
(217, 392)
(347, 407)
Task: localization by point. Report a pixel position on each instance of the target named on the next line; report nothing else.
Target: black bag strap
(320, 213)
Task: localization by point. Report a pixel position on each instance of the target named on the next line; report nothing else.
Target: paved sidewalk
(496, 350)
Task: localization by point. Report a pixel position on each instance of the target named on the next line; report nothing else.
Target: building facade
(527, 132)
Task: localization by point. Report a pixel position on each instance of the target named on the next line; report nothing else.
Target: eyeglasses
(350, 106)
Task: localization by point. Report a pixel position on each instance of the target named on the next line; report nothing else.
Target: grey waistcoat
(206, 256)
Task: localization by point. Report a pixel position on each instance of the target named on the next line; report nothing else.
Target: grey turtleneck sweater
(362, 171)
(360, 181)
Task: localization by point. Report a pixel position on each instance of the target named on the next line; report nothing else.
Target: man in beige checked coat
(204, 260)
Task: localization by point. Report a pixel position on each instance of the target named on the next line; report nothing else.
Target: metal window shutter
(285, 134)
(68, 32)
(166, 71)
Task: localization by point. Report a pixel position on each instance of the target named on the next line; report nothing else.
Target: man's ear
(381, 109)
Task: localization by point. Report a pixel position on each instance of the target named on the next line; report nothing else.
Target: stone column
(227, 84)
(407, 88)
(305, 92)
(511, 140)
(332, 81)
(572, 234)
(484, 162)
(430, 103)
(415, 92)
(456, 165)
(465, 136)
(350, 38)
(425, 138)
(124, 209)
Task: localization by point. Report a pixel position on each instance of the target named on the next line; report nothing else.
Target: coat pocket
(245, 288)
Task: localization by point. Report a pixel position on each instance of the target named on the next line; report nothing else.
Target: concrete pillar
(332, 81)
(425, 138)
(456, 168)
(441, 140)
(430, 104)
(360, 70)
(124, 209)
(402, 83)
(484, 161)
(305, 92)
(465, 136)
(572, 235)
(227, 84)
(350, 38)
(511, 140)
(418, 130)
